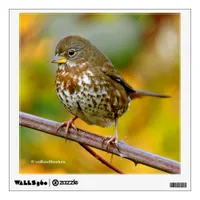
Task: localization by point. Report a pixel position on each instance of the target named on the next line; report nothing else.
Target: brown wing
(112, 73)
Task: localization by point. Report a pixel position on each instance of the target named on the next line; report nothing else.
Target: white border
(102, 182)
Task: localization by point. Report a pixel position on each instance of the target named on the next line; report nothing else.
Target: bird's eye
(72, 52)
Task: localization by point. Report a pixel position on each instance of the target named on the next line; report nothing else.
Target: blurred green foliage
(145, 50)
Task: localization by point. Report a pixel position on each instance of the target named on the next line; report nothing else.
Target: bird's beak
(59, 59)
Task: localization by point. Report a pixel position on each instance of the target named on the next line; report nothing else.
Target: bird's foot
(68, 125)
(110, 139)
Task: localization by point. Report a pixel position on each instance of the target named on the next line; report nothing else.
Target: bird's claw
(111, 139)
(68, 124)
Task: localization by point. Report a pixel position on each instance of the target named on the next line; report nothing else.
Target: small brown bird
(90, 87)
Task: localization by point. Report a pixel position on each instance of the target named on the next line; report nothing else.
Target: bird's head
(74, 50)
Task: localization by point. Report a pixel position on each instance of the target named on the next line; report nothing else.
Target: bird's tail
(143, 93)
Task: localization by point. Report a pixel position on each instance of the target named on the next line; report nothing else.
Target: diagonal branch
(101, 159)
(126, 151)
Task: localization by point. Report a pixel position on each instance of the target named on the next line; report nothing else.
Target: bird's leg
(113, 138)
(68, 124)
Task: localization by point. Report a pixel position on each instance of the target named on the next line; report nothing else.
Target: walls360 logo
(30, 182)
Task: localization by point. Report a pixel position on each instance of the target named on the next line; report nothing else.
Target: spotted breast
(90, 95)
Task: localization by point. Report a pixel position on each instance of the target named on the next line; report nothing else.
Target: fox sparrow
(90, 87)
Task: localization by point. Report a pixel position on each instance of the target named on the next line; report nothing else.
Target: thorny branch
(123, 150)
